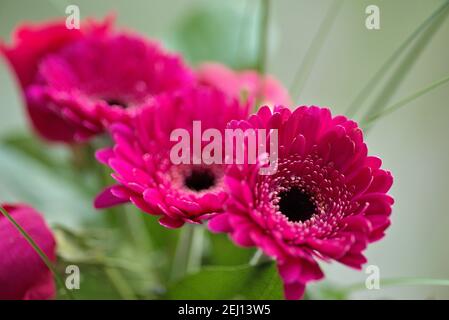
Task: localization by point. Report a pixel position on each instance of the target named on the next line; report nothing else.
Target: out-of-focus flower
(32, 44)
(23, 275)
(328, 199)
(76, 81)
(244, 84)
(141, 161)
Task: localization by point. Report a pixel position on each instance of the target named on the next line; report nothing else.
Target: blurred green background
(413, 142)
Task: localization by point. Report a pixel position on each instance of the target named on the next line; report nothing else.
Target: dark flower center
(296, 205)
(117, 102)
(200, 179)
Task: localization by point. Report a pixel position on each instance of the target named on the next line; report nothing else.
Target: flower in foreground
(327, 200)
(23, 275)
(243, 84)
(142, 166)
(76, 81)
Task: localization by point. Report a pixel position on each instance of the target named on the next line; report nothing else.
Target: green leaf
(22, 179)
(221, 33)
(124, 267)
(75, 163)
(243, 282)
(49, 156)
(222, 252)
(94, 283)
(265, 284)
(91, 245)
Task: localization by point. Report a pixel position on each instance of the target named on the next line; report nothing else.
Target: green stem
(137, 229)
(131, 218)
(256, 258)
(120, 283)
(263, 36)
(102, 261)
(261, 65)
(196, 250)
(39, 251)
(187, 256)
(129, 221)
(241, 36)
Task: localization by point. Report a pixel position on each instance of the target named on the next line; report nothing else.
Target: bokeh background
(413, 141)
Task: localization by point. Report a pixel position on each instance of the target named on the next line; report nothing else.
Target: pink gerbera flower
(328, 199)
(141, 162)
(23, 275)
(241, 84)
(77, 81)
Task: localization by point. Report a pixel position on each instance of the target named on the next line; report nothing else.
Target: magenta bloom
(32, 44)
(141, 161)
(327, 200)
(248, 83)
(23, 275)
(75, 82)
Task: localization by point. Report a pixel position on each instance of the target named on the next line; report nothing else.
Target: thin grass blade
(406, 281)
(304, 70)
(404, 101)
(361, 97)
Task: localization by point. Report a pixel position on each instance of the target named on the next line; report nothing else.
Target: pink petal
(170, 223)
(219, 223)
(107, 199)
(294, 291)
(23, 274)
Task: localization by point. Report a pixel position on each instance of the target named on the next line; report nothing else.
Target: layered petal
(142, 160)
(246, 84)
(326, 200)
(76, 82)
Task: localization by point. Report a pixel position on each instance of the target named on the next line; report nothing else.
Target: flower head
(33, 42)
(77, 81)
(23, 275)
(146, 175)
(328, 199)
(247, 83)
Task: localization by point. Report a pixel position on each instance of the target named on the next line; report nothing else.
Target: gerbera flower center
(296, 205)
(116, 102)
(200, 179)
